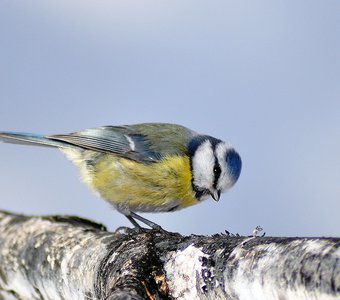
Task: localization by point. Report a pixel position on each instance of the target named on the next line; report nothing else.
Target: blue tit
(150, 167)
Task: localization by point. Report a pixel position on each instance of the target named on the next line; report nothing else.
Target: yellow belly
(159, 186)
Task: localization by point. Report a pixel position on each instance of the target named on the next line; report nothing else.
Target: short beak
(216, 195)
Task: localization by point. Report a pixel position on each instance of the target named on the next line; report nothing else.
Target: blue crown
(234, 164)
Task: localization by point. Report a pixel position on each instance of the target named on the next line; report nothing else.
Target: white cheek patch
(225, 181)
(203, 163)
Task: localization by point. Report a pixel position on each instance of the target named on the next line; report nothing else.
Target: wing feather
(146, 143)
(108, 140)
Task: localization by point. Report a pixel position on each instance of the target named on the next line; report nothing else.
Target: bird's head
(215, 166)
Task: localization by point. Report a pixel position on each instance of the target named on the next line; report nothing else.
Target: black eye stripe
(217, 173)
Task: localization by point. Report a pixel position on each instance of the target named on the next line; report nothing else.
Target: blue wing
(118, 140)
(146, 143)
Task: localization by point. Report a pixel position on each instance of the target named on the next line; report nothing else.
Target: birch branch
(63, 257)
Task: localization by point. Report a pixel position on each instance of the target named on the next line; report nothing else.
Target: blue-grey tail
(30, 139)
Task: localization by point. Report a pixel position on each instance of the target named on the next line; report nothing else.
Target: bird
(147, 167)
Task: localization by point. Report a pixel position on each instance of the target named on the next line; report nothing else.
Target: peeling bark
(63, 257)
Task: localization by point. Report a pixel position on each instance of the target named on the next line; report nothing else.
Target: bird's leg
(133, 221)
(132, 216)
(127, 230)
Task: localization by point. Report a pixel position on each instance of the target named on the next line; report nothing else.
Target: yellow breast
(160, 186)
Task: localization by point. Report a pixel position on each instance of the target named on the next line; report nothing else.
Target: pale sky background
(262, 75)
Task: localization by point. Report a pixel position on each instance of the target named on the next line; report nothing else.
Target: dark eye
(217, 173)
(217, 170)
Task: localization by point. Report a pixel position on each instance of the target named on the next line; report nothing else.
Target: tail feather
(30, 139)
